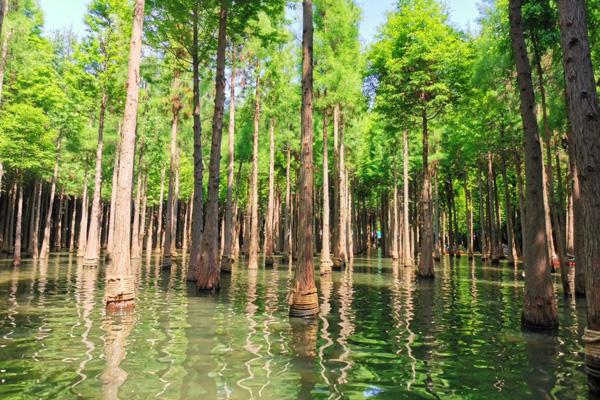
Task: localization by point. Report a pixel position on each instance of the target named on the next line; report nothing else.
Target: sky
(463, 13)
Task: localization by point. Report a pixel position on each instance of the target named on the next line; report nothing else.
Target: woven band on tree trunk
(303, 303)
(591, 340)
(119, 289)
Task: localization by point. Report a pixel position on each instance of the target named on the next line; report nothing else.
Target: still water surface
(380, 334)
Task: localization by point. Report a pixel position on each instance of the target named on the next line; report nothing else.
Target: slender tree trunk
(492, 201)
(35, 229)
(150, 233)
(136, 252)
(113, 197)
(59, 218)
(482, 233)
(92, 249)
(539, 307)
(72, 228)
(142, 229)
(304, 301)
(46, 238)
(287, 243)
(407, 261)
(83, 224)
(426, 258)
(229, 221)
(159, 217)
(253, 247)
(326, 261)
(198, 206)
(270, 222)
(18, 229)
(171, 221)
(584, 116)
(521, 198)
(339, 251)
(209, 271)
(120, 291)
(512, 252)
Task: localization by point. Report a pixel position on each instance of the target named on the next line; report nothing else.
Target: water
(380, 334)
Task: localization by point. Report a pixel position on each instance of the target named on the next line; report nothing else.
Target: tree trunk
(253, 247)
(198, 206)
(159, 217)
(584, 116)
(407, 260)
(46, 239)
(136, 252)
(150, 233)
(339, 251)
(326, 261)
(539, 307)
(113, 197)
(209, 271)
(142, 229)
(18, 229)
(171, 221)
(492, 201)
(512, 253)
(304, 301)
(426, 258)
(92, 249)
(120, 291)
(521, 198)
(270, 223)
(83, 224)
(72, 227)
(287, 243)
(229, 221)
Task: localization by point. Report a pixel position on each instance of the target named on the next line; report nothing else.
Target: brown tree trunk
(254, 238)
(209, 271)
(83, 224)
(326, 261)
(407, 260)
(539, 307)
(150, 233)
(171, 219)
(46, 238)
(229, 221)
(142, 229)
(198, 206)
(35, 228)
(584, 116)
(304, 301)
(120, 291)
(426, 258)
(521, 198)
(287, 242)
(270, 222)
(92, 249)
(339, 244)
(72, 227)
(512, 252)
(135, 231)
(18, 229)
(159, 217)
(113, 197)
(492, 201)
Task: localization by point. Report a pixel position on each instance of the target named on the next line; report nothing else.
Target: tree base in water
(116, 306)
(325, 267)
(166, 262)
(538, 321)
(339, 262)
(269, 261)
(90, 262)
(304, 304)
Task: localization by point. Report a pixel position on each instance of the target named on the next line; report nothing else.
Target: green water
(380, 334)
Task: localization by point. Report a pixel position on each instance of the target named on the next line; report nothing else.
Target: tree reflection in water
(116, 327)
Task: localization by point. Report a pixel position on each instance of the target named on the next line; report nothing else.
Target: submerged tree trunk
(198, 206)
(228, 258)
(35, 228)
(539, 307)
(287, 242)
(159, 229)
(326, 262)
(270, 222)
(18, 229)
(171, 221)
(83, 224)
(304, 301)
(120, 290)
(426, 257)
(406, 252)
(253, 246)
(92, 249)
(209, 271)
(46, 238)
(339, 251)
(584, 115)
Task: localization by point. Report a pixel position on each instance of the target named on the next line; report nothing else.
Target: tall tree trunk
(59, 219)
(46, 238)
(159, 217)
(72, 227)
(113, 198)
(339, 243)
(209, 271)
(482, 230)
(253, 247)
(407, 261)
(426, 258)
(539, 307)
(18, 229)
(142, 229)
(495, 250)
(136, 252)
(287, 243)
(521, 197)
(120, 291)
(92, 249)
(512, 252)
(35, 228)
(584, 116)
(150, 232)
(469, 217)
(171, 221)
(198, 206)
(229, 221)
(270, 223)
(83, 224)
(326, 261)
(304, 301)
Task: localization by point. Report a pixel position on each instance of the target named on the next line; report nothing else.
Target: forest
(243, 199)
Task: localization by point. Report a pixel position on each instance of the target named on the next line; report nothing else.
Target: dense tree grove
(220, 134)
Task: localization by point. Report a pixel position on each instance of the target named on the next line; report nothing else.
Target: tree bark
(46, 238)
(539, 307)
(120, 292)
(209, 271)
(326, 261)
(287, 243)
(426, 257)
(18, 229)
(492, 201)
(135, 231)
(83, 224)
(171, 221)
(113, 197)
(584, 116)
(304, 301)
(270, 223)
(92, 249)
(512, 253)
(339, 250)
(407, 260)
(253, 246)
(72, 227)
(198, 206)
(159, 217)
(35, 229)
(228, 259)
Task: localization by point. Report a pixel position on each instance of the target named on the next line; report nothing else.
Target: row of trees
(429, 154)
